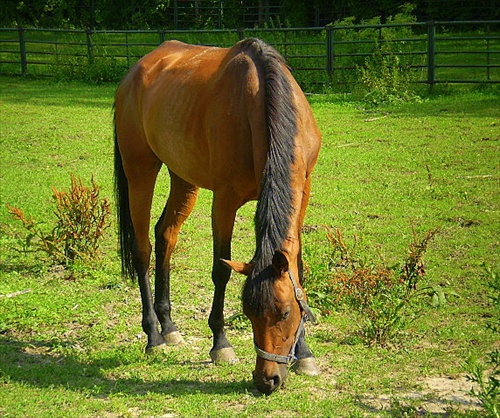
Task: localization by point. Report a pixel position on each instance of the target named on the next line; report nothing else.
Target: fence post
(22, 51)
(90, 47)
(329, 52)
(431, 53)
(488, 61)
(241, 34)
(128, 49)
(176, 14)
(220, 14)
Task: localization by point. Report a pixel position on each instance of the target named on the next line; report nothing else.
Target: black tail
(125, 226)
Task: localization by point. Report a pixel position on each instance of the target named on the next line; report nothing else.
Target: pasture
(71, 343)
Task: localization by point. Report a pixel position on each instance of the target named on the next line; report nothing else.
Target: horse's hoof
(156, 348)
(307, 366)
(224, 355)
(173, 338)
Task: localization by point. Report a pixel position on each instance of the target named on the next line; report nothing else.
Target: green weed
(384, 78)
(384, 69)
(378, 55)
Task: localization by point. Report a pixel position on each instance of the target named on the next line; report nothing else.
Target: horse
(234, 121)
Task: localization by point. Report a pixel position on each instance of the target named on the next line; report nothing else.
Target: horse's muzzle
(267, 383)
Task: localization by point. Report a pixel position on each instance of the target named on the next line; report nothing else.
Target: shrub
(105, 69)
(385, 297)
(386, 78)
(376, 59)
(82, 218)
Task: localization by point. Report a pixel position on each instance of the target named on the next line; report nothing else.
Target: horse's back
(198, 109)
(201, 111)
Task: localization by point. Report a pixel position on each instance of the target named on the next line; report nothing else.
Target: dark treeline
(207, 14)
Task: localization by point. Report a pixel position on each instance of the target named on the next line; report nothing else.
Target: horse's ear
(239, 267)
(280, 262)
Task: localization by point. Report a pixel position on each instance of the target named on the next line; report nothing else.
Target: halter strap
(304, 307)
(279, 358)
(299, 295)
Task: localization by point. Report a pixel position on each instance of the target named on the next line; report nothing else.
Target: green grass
(72, 345)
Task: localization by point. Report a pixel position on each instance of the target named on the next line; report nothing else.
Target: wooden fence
(436, 52)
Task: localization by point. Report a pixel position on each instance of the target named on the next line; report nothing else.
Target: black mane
(274, 206)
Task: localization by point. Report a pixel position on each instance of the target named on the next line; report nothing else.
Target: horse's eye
(285, 314)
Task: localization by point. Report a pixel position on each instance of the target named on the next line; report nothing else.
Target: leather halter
(307, 314)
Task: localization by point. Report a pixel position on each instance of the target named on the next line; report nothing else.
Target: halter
(304, 307)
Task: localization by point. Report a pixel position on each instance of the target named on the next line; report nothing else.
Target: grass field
(71, 343)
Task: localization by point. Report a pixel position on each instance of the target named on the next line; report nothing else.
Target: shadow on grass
(474, 105)
(35, 364)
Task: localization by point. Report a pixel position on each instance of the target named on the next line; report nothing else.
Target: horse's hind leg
(179, 205)
(141, 181)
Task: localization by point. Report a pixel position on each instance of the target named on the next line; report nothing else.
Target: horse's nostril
(273, 383)
(267, 384)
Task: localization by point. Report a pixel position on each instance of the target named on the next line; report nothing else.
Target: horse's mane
(274, 206)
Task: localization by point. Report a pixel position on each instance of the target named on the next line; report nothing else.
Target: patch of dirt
(136, 412)
(438, 396)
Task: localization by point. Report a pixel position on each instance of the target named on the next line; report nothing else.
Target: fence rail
(437, 52)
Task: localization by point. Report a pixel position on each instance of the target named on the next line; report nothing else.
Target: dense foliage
(191, 14)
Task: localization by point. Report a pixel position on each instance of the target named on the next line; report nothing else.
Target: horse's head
(275, 303)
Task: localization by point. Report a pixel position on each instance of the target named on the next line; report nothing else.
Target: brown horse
(233, 121)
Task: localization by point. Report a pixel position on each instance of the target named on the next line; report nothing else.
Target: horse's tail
(125, 226)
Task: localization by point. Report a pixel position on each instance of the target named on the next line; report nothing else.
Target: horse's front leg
(223, 216)
(306, 363)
